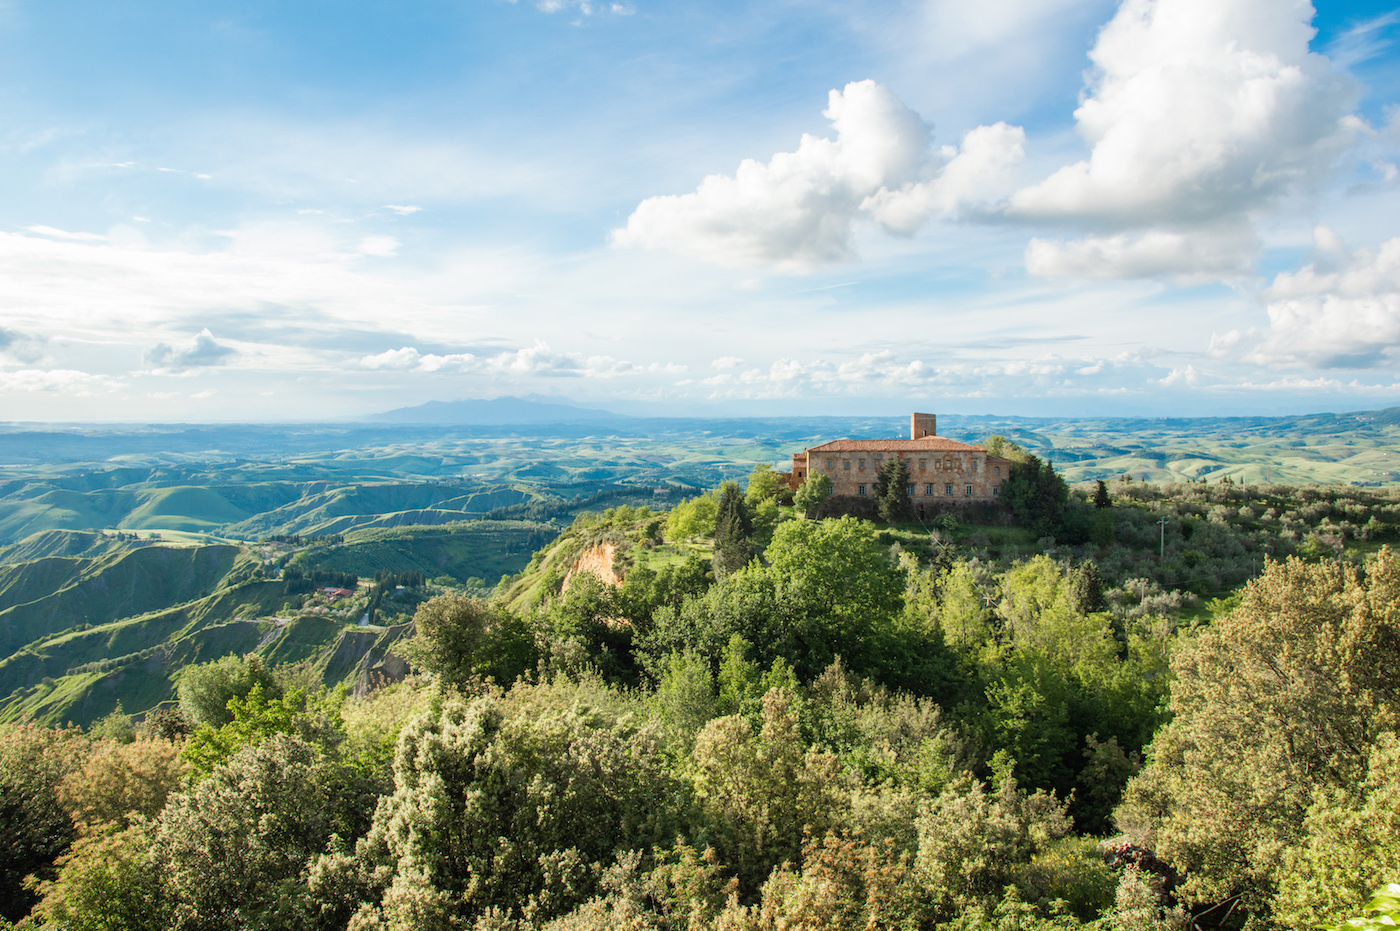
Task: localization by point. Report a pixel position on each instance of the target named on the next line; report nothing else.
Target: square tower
(922, 425)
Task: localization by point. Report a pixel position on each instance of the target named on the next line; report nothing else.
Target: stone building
(941, 471)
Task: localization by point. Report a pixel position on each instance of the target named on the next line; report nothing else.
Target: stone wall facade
(941, 471)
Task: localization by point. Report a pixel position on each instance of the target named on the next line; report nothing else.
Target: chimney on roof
(922, 425)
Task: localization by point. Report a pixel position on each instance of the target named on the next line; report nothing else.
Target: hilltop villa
(941, 471)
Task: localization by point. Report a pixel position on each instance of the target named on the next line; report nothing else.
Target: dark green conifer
(733, 531)
(1101, 499)
(892, 491)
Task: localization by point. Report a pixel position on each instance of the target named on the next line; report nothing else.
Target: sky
(268, 211)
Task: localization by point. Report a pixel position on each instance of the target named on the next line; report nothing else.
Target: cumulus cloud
(1198, 113)
(1206, 253)
(1198, 109)
(890, 371)
(536, 360)
(409, 359)
(982, 169)
(403, 210)
(202, 352)
(1342, 310)
(796, 211)
(66, 381)
(585, 7)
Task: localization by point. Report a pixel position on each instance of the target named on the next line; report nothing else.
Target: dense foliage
(852, 726)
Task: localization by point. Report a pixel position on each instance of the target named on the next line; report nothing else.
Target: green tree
(812, 494)
(974, 843)
(109, 882)
(205, 689)
(238, 845)
(34, 827)
(121, 782)
(1352, 837)
(461, 640)
(734, 545)
(892, 491)
(507, 802)
(117, 726)
(1101, 498)
(765, 484)
(1086, 588)
(760, 794)
(829, 589)
(254, 719)
(693, 518)
(1286, 696)
(1036, 495)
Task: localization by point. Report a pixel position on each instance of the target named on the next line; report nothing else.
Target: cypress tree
(1101, 499)
(892, 491)
(733, 531)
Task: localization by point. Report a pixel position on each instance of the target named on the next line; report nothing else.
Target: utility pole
(1162, 549)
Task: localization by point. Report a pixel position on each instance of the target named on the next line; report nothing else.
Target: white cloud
(796, 211)
(403, 210)
(1199, 114)
(978, 172)
(201, 352)
(1182, 376)
(380, 246)
(64, 381)
(65, 234)
(1198, 109)
(536, 360)
(1205, 253)
(584, 7)
(727, 362)
(409, 359)
(1340, 311)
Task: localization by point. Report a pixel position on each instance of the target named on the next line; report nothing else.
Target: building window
(947, 489)
(909, 489)
(923, 465)
(848, 465)
(862, 465)
(969, 491)
(998, 471)
(996, 492)
(831, 463)
(928, 489)
(860, 489)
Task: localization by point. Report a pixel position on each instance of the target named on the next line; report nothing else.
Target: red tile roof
(923, 444)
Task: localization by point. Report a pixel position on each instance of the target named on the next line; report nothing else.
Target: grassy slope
(481, 549)
(59, 543)
(337, 510)
(183, 507)
(56, 593)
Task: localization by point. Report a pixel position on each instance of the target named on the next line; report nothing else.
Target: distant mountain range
(491, 412)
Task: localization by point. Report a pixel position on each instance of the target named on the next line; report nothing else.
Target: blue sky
(271, 211)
